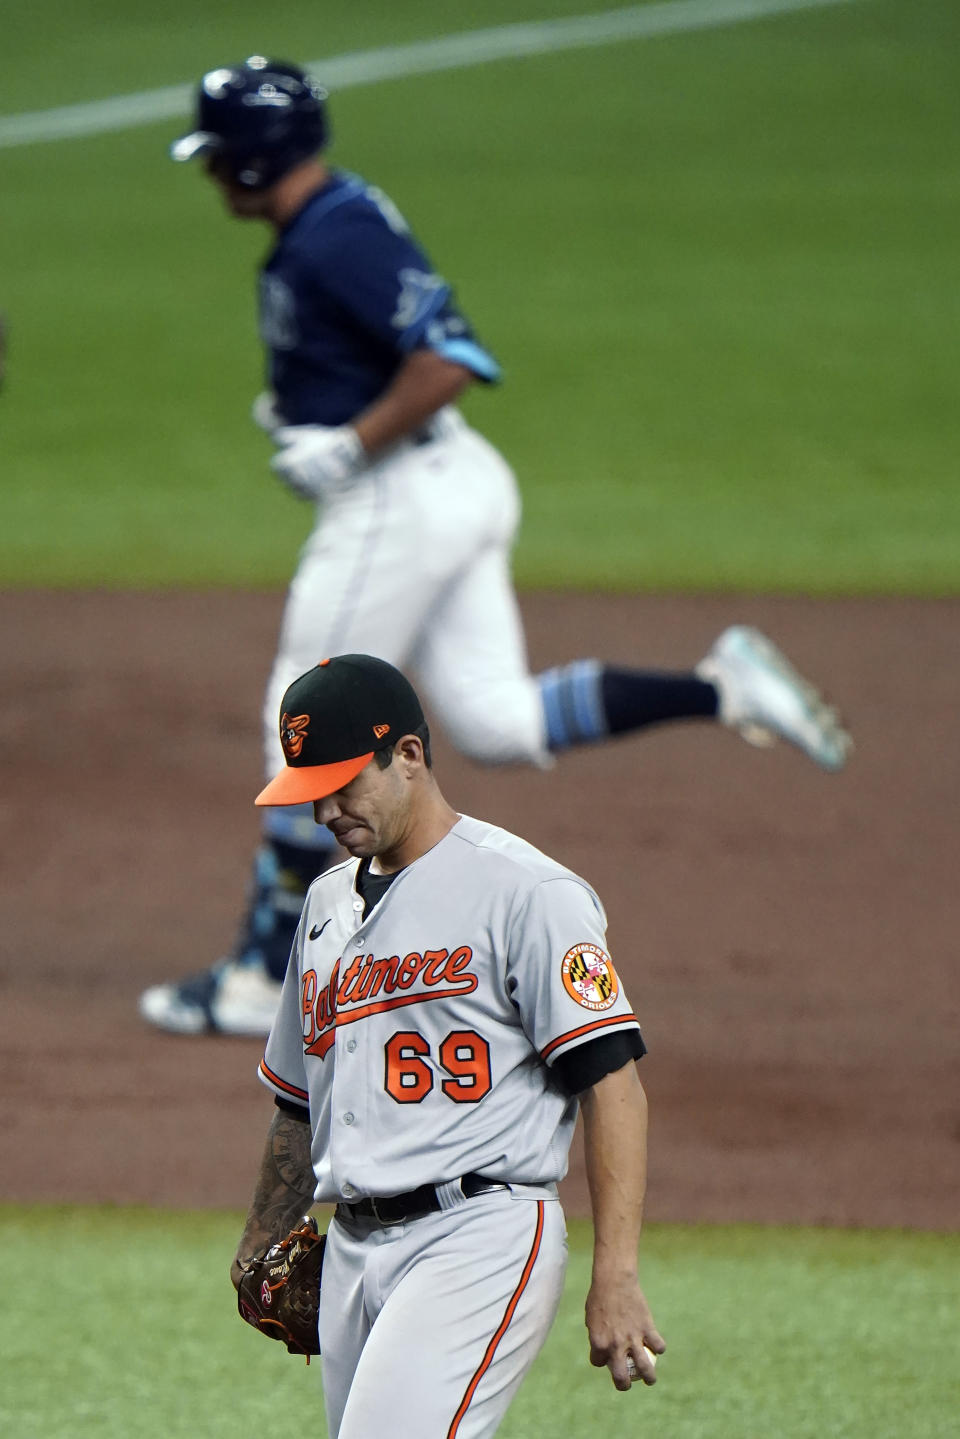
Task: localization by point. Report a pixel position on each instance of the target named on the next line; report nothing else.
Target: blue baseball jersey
(345, 296)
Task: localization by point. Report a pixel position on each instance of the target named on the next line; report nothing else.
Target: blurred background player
(409, 559)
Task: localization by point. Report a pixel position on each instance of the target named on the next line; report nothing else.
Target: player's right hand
(318, 461)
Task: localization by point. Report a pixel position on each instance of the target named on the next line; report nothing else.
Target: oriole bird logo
(293, 732)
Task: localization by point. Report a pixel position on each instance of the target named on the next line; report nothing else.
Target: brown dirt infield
(789, 938)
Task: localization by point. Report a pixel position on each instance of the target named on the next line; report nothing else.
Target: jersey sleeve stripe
(571, 1034)
(275, 1082)
(504, 1324)
(472, 356)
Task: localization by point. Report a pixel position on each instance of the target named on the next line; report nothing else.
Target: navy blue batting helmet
(258, 119)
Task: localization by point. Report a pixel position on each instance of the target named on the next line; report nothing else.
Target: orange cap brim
(310, 782)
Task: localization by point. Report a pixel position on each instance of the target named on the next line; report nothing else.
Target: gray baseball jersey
(422, 1037)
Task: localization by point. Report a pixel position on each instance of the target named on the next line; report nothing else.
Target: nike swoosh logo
(315, 933)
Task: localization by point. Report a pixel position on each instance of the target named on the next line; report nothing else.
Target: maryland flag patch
(589, 976)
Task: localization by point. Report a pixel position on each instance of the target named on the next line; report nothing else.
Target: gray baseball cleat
(764, 698)
(234, 997)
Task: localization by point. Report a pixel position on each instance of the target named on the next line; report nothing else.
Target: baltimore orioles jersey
(423, 1038)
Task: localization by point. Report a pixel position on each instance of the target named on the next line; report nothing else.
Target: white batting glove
(318, 461)
(265, 414)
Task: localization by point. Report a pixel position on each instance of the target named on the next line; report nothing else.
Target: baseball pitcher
(449, 1009)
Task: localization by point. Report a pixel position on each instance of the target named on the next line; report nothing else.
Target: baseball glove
(279, 1292)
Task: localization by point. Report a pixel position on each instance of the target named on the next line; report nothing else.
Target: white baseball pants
(412, 564)
(428, 1328)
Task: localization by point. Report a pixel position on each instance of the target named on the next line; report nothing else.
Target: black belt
(397, 1208)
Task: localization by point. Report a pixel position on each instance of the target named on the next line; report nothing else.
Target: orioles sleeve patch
(589, 977)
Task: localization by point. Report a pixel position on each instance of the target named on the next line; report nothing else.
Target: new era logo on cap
(333, 719)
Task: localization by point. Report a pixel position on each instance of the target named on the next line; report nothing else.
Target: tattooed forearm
(285, 1186)
(289, 1145)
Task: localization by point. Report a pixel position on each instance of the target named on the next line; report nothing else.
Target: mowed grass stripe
(448, 52)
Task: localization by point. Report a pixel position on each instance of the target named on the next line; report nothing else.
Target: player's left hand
(278, 1291)
(621, 1330)
(318, 461)
(265, 415)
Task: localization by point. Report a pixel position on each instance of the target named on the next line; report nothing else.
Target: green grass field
(122, 1322)
(719, 269)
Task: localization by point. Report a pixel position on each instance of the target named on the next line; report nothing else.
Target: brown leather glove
(279, 1290)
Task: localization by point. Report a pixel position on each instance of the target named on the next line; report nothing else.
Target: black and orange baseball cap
(333, 720)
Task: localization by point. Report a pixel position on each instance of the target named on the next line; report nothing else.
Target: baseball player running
(415, 515)
(449, 1008)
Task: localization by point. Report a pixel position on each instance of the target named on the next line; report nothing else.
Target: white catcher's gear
(318, 461)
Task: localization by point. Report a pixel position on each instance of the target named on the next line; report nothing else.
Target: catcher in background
(367, 352)
(435, 1043)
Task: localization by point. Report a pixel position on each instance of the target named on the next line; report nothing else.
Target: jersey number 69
(409, 1073)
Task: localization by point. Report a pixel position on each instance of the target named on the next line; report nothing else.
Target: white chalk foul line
(450, 52)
